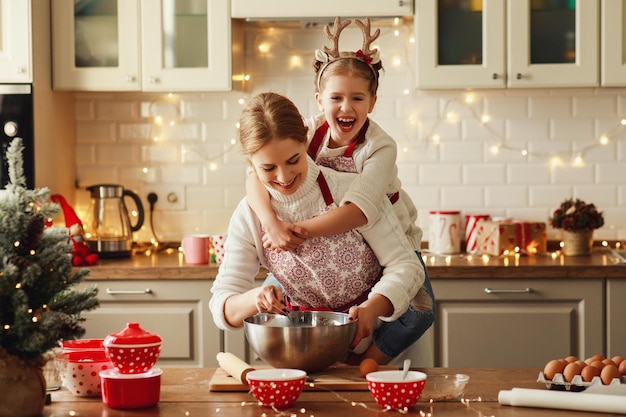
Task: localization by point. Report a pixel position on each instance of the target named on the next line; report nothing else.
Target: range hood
(318, 9)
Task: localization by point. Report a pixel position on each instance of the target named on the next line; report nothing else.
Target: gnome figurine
(81, 254)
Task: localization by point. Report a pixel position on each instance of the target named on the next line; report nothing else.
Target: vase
(577, 243)
(22, 387)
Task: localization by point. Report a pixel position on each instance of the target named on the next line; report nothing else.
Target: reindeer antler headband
(332, 54)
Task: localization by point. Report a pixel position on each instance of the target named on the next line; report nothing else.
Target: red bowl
(82, 344)
(133, 350)
(279, 388)
(125, 391)
(80, 371)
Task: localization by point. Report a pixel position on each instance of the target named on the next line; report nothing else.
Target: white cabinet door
(15, 41)
(496, 44)
(186, 46)
(96, 48)
(481, 68)
(613, 63)
(615, 317)
(142, 45)
(583, 37)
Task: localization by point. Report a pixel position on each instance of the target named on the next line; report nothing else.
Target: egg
(589, 372)
(622, 367)
(571, 359)
(368, 365)
(571, 370)
(555, 366)
(598, 364)
(618, 359)
(609, 362)
(609, 372)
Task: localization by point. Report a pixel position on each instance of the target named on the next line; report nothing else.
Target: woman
(371, 272)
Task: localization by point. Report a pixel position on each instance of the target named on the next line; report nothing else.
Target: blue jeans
(392, 338)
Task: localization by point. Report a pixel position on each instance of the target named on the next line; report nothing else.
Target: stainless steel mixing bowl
(307, 340)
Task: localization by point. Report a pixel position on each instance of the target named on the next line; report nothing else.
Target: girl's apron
(345, 162)
(326, 273)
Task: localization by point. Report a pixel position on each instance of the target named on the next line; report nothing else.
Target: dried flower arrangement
(577, 216)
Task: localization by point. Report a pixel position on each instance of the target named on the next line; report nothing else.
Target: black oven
(16, 120)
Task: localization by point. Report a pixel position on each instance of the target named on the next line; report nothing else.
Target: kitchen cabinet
(177, 310)
(613, 43)
(15, 42)
(143, 45)
(517, 322)
(616, 317)
(516, 44)
(286, 9)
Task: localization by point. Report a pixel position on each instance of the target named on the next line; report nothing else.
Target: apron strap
(328, 197)
(317, 140)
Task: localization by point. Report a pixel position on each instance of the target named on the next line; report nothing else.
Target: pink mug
(196, 249)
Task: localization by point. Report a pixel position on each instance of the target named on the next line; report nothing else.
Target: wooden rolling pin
(234, 366)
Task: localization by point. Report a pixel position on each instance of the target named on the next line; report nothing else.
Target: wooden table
(185, 393)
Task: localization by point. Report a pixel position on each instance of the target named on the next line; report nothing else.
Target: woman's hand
(270, 300)
(283, 236)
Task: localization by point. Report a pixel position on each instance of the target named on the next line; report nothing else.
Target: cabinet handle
(494, 76)
(130, 78)
(118, 292)
(492, 291)
(153, 80)
(518, 76)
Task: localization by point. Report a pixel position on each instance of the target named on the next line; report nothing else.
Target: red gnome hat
(81, 254)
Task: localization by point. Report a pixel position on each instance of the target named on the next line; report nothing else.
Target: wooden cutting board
(336, 378)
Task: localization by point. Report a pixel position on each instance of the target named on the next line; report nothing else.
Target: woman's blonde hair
(269, 116)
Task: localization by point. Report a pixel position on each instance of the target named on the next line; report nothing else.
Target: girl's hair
(350, 66)
(269, 116)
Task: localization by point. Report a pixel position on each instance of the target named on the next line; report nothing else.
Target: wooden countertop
(170, 264)
(185, 392)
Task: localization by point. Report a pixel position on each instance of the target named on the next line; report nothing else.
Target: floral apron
(344, 163)
(326, 273)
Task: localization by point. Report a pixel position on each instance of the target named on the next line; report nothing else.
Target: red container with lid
(133, 350)
(124, 391)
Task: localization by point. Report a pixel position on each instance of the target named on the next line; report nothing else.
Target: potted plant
(38, 306)
(578, 220)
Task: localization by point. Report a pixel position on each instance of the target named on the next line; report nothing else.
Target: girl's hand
(283, 236)
(270, 300)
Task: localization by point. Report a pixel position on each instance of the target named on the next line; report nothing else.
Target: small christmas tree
(38, 307)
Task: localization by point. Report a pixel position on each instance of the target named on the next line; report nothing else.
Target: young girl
(345, 139)
(371, 272)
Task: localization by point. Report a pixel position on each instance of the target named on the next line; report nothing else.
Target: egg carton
(577, 384)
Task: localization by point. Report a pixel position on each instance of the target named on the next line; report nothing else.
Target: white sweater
(403, 274)
(375, 162)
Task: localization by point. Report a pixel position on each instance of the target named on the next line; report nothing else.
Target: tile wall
(446, 143)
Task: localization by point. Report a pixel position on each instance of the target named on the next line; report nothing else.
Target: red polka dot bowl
(391, 392)
(133, 350)
(276, 387)
(80, 371)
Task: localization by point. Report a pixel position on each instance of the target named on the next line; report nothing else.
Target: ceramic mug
(217, 242)
(196, 249)
(444, 232)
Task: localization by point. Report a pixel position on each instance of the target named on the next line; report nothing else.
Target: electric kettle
(108, 230)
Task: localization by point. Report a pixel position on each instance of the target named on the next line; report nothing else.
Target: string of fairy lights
(270, 42)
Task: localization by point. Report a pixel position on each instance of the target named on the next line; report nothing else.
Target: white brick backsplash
(542, 106)
(461, 198)
(573, 175)
(597, 106)
(530, 174)
(469, 152)
(506, 197)
(115, 130)
(484, 174)
(573, 129)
